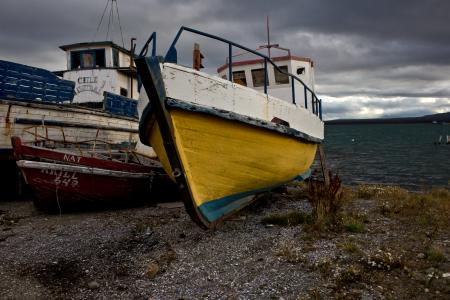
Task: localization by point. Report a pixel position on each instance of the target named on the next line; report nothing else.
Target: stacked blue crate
(119, 105)
(21, 82)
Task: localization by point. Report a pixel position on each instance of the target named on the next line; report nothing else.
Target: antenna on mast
(269, 45)
(268, 36)
(110, 20)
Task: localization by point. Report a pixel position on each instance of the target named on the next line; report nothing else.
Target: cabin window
(100, 58)
(115, 55)
(123, 92)
(300, 71)
(87, 59)
(281, 78)
(239, 78)
(258, 77)
(75, 62)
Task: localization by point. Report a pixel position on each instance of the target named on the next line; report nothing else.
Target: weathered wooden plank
(62, 123)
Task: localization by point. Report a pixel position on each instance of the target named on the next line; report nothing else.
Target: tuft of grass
(354, 227)
(349, 275)
(324, 266)
(425, 220)
(326, 202)
(309, 237)
(383, 260)
(8, 220)
(354, 222)
(298, 184)
(435, 255)
(140, 229)
(291, 254)
(350, 247)
(377, 191)
(291, 218)
(366, 191)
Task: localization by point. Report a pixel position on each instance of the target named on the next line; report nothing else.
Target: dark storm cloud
(363, 50)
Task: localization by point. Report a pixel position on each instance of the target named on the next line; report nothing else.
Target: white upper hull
(189, 85)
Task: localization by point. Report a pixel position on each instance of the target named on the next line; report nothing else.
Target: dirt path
(157, 252)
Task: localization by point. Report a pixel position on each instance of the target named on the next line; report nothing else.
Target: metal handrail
(145, 48)
(316, 103)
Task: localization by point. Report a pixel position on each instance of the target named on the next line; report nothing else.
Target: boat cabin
(251, 73)
(98, 67)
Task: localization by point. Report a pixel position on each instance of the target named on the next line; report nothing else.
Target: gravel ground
(157, 252)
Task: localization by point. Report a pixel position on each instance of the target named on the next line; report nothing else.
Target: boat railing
(144, 50)
(171, 56)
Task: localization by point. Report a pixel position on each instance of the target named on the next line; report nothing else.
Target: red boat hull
(67, 186)
(22, 151)
(62, 179)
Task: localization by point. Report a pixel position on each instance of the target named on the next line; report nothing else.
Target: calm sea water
(400, 154)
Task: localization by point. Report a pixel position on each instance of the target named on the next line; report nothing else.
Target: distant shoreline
(436, 118)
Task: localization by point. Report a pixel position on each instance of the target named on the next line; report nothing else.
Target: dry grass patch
(291, 218)
(8, 219)
(435, 255)
(383, 260)
(350, 247)
(353, 222)
(351, 274)
(326, 200)
(376, 191)
(429, 208)
(290, 253)
(324, 266)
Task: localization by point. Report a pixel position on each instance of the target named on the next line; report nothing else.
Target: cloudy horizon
(372, 59)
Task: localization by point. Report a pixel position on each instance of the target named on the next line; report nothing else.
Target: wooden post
(132, 48)
(326, 175)
(197, 57)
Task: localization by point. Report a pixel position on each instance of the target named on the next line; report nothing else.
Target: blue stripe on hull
(215, 209)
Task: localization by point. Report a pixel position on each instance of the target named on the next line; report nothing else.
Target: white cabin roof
(98, 67)
(90, 45)
(250, 62)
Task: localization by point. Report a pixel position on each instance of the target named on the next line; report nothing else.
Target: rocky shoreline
(157, 252)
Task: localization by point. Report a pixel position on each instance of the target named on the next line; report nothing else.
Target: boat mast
(269, 45)
(110, 21)
(268, 36)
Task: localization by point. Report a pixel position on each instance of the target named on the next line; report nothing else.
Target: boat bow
(221, 155)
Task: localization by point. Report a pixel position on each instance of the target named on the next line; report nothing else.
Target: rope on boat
(110, 21)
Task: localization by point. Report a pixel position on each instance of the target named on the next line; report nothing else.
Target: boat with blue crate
(226, 138)
(95, 98)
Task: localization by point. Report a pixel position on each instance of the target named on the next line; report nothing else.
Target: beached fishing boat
(96, 98)
(67, 175)
(221, 141)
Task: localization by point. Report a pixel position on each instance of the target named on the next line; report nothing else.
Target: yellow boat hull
(221, 158)
(225, 162)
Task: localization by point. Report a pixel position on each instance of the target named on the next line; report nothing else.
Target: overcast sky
(372, 58)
